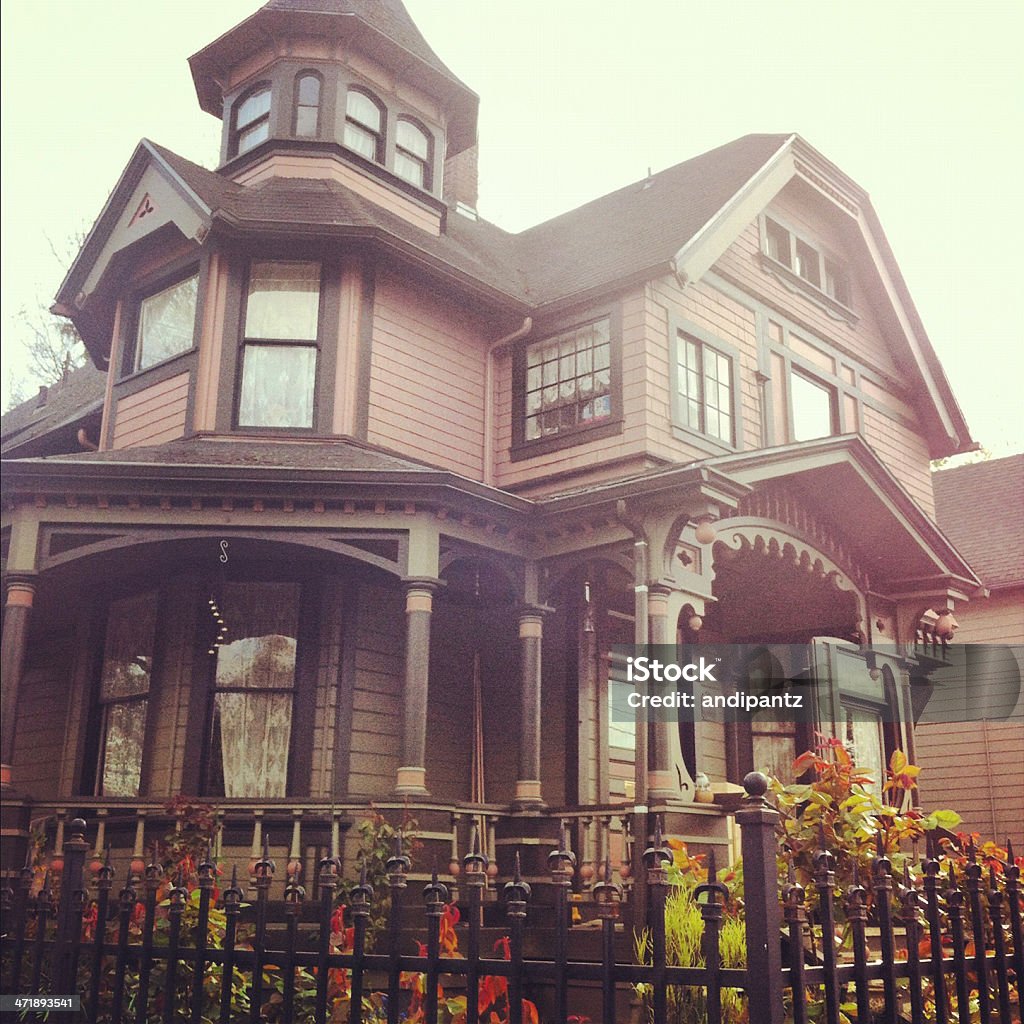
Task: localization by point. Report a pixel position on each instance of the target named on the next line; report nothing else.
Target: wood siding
(977, 768)
(377, 698)
(427, 378)
(154, 415)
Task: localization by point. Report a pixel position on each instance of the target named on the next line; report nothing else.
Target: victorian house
(368, 487)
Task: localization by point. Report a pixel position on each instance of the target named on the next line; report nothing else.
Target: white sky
(920, 101)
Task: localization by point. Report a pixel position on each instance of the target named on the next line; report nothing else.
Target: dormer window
(412, 153)
(307, 105)
(364, 125)
(251, 124)
(809, 264)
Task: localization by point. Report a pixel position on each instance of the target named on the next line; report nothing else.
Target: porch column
(419, 603)
(21, 591)
(660, 780)
(531, 631)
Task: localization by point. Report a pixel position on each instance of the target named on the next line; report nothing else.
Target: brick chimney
(460, 181)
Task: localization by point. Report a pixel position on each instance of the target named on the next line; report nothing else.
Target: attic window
(251, 124)
(806, 263)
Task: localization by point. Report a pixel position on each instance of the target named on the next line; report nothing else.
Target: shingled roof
(979, 508)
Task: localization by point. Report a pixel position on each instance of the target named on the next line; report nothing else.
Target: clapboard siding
(154, 415)
(977, 768)
(426, 378)
(377, 696)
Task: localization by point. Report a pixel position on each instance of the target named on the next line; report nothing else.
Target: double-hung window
(364, 125)
(813, 403)
(279, 349)
(412, 153)
(124, 693)
(705, 390)
(307, 104)
(251, 120)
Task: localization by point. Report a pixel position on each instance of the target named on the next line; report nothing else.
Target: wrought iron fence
(938, 948)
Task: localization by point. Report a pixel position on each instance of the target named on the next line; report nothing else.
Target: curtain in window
(255, 680)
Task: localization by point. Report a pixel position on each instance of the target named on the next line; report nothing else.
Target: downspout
(492, 350)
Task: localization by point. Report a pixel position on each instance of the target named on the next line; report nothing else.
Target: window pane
(813, 408)
(864, 742)
(306, 121)
(124, 734)
(277, 386)
(362, 141)
(253, 107)
(128, 651)
(362, 109)
(777, 242)
(253, 136)
(284, 300)
(836, 282)
(167, 323)
(253, 732)
(309, 91)
(413, 139)
(410, 169)
(261, 620)
(807, 263)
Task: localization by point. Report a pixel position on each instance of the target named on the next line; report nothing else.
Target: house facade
(373, 486)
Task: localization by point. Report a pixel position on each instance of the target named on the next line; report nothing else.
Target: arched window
(364, 125)
(251, 120)
(307, 104)
(412, 153)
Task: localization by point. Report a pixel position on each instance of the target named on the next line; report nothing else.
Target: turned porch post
(660, 780)
(531, 631)
(419, 603)
(21, 591)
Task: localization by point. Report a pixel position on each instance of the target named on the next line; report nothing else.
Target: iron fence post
(75, 850)
(757, 821)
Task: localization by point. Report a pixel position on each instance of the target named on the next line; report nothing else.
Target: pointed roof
(382, 27)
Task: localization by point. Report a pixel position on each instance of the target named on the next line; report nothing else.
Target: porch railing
(939, 948)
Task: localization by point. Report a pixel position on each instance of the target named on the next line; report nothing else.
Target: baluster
(955, 908)
(294, 894)
(218, 835)
(397, 867)
(58, 839)
(562, 864)
(435, 896)
(152, 884)
(995, 909)
(1012, 875)
(43, 908)
(711, 912)
(103, 886)
(264, 870)
(608, 897)
(492, 849)
(139, 847)
(911, 917)
(882, 872)
(656, 858)
(586, 853)
(454, 864)
(359, 900)
(793, 897)
(825, 885)
(126, 907)
(475, 873)
(295, 850)
(178, 896)
(232, 908)
(101, 831)
(857, 915)
(974, 873)
(206, 872)
(517, 897)
(933, 914)
(257, 845)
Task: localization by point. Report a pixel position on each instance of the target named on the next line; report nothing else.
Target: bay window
(364, 125)
(279, 348)
(412, 153)
(166, 324)
(250, 124)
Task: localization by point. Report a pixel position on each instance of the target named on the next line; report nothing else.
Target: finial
(756, 785)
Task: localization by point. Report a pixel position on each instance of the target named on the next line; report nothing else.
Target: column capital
(20, 588)
(423, 584)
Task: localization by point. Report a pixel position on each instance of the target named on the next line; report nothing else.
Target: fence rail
(938, 949)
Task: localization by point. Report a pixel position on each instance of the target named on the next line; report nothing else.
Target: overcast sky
(922, 103)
